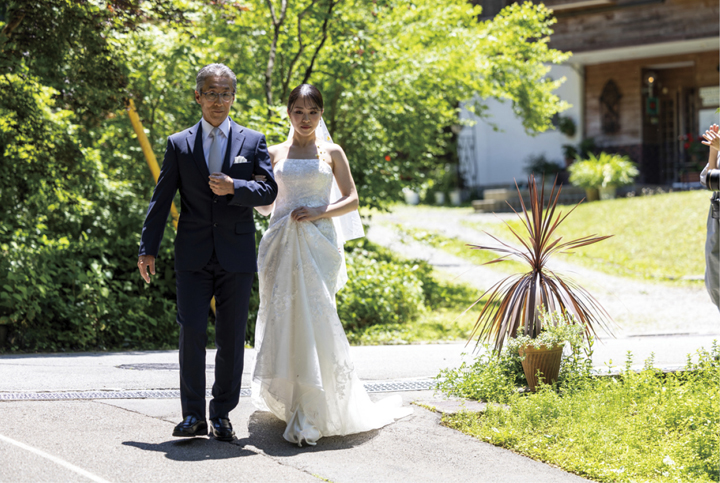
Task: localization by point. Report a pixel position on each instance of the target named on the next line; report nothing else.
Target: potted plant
(570, 152)
(587, 175)
(566, 125)
(411, 197)
(542, 356)
(539, 166)
(449, 184)
(617, 171)
(605, 172)
(513, 305)
(581, 151)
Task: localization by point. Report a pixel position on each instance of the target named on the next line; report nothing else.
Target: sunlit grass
(660, 237)
(462, 249)
(440, 325)
(639, 427)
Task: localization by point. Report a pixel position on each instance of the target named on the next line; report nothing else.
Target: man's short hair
(214, 70)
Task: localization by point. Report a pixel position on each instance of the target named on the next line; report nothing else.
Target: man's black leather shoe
(222, 429)
(191, 427)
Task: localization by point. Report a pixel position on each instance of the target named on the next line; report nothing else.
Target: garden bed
(639, 426)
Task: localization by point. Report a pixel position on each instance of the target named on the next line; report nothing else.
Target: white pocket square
(240, 159)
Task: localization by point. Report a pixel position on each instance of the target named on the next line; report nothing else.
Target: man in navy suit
(212, 164)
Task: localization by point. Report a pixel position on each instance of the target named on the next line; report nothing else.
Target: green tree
(392, 72)
(68, 231)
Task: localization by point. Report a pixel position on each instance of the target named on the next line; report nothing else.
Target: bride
(303, 372)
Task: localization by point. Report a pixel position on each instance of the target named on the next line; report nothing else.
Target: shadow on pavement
(194, 449)
(266, 435)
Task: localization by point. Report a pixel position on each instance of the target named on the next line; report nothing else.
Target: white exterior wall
(499, 157)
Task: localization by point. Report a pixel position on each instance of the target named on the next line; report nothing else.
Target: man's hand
(146, 262)
(222, 184)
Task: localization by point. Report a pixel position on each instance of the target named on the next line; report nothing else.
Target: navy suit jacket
(209, 222)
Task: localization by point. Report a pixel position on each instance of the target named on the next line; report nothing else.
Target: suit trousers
(232, 299)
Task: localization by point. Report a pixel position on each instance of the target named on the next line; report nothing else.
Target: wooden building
(649, 74)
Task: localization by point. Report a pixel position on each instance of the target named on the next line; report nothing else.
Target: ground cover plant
(639, 426)
(659, 237)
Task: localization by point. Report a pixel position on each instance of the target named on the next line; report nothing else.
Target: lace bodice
(301, 182)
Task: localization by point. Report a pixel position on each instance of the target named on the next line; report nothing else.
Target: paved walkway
(117, 428)
(120, 440)
(92, 438)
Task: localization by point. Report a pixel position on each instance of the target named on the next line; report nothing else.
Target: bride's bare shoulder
(276, 148)
(277, 151)
(332, 148)
(335, 151)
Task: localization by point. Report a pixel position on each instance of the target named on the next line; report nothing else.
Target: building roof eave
(661, 49)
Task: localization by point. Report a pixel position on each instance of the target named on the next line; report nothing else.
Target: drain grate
(51, 396)
(390, 386)
(158, 367)
(395, 386)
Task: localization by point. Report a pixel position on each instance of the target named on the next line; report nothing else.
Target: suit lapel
(195, 145)
(235, 143)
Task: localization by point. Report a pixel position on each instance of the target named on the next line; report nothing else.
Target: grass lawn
(660, 237)
(639, 427)
(460, 248)
(437, 325)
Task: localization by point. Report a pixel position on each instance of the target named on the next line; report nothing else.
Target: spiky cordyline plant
(514, 303)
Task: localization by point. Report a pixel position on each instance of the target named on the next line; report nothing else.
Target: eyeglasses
(213, 96)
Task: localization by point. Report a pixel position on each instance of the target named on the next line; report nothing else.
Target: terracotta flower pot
(592, 194)
(547, 361)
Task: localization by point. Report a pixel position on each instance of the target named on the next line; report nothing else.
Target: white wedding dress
(303, 373)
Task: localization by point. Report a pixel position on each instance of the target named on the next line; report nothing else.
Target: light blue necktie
(215, 156)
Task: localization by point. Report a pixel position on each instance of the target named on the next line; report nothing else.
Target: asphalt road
(92, 438)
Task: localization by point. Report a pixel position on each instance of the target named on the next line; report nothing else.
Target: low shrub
(604, 170)
(85, 293)
(384, 289)
(379, 291)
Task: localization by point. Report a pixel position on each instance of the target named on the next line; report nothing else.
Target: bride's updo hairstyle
(305, 92)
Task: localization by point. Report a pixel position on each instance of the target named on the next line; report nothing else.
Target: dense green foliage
(384, 289)
(639, 426)
(75, 184)
(380, 291)
(68, 236)
(604, 170)
(69, 230)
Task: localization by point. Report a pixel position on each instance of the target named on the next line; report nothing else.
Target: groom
(212, 164)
